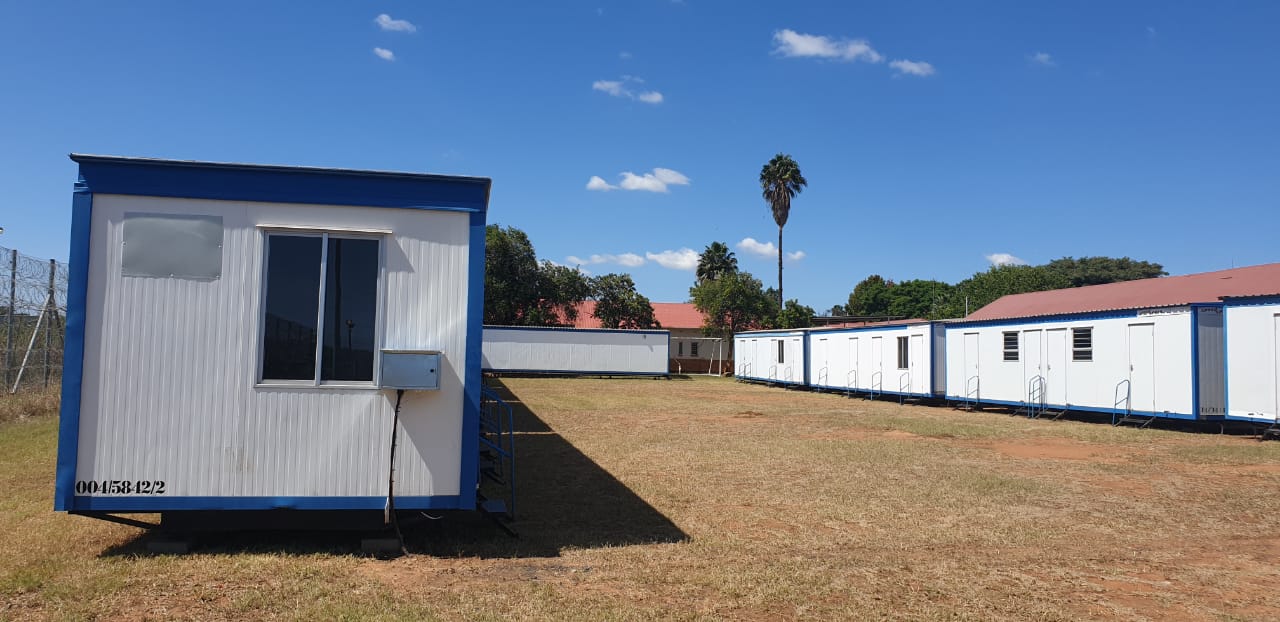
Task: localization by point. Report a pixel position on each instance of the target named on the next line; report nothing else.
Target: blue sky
(935, 135)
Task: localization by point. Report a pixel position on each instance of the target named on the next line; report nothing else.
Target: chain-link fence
(33, 310)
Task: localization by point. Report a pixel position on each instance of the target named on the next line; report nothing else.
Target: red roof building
(1165, 291)
(671, 315)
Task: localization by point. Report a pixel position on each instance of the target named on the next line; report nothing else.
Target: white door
(971, 382)
(1142, 367)
(1055, 366)
(822, 373)
(876, 378)
(915, 364)
(1275, 368)
(852, 375)
(1032, 362)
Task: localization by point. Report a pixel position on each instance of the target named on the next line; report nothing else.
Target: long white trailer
(587, 351)
(771, 356)
(1253, 358)
(1163, 362)
(899, 359)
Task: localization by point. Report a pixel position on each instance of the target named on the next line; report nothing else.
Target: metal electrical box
(412, 370)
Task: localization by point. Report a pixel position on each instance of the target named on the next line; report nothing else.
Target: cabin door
(915, 364)
(972, 384)
(1055, 366)
(876, 378)
(1032, 363)
(822, 373)
(852, 379)
(1142, 367)
(1275, 367)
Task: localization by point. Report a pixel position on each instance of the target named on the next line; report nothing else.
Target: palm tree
(716, 261)
(781, 180)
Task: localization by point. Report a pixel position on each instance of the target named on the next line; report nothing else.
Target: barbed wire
(33, 307)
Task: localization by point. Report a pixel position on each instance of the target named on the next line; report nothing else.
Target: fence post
(52, 310)
(13, 299)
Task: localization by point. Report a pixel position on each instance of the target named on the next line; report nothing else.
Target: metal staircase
(497, 486)
(1128, 415)
(972, 394)
(877, 385)
(851, 383)
(1034, 405)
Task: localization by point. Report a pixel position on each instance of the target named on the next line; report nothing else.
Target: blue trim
(857, 329)
(1250, 301)
(469, 475)
(1107, 411)
(1262, 419)
(584, 330)
(73, 349)
(862, 390)
(577, 372)
(281, 184)
(166, 504)
(770, 381)
(1048, 319)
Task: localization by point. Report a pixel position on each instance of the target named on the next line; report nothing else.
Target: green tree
(732, 303)
(619, 305)
(1101, 270)
(560, 290)
(781, 181)
(510, 276)
(984, 288)
(919, 298)
(795, 315)
(870, 297)
(715, 261)
(836, 311)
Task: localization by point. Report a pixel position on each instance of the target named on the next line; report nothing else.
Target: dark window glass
(293, 294)
(350, 310)
(679, 348)
(781, 346)
(1011, 346)
(693, 349)
(902, 353)
(1082, 344)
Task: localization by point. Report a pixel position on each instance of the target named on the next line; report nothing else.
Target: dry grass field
(709, 499)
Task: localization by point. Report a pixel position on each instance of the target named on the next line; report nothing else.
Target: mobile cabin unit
(239, 338)
(897, 358)
(776, 357)
(1253, 358)
(1161, 362)
(576, 351)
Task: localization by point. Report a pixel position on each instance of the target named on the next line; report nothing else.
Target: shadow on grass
(564, 501)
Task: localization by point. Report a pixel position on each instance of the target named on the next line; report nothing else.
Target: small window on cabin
(903, 358)
(693, 349)
(320, 311)
(1082, 344)
(781, 351)
(1011, 346)
(679, 348)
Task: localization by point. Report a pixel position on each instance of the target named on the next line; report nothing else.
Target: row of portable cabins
(1200, 361)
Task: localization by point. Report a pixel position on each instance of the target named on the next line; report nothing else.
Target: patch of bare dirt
(1054, 449)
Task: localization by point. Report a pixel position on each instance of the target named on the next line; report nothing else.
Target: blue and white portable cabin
(576, 351)
(237, 336)
(772, 356)
(1152, 347)
(902, 358)
(1252, 327)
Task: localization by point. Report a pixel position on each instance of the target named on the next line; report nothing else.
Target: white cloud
(573, 263)
(913, 68)
(793, 44)
(766, 250)
(385, 54)
(624, 55)
(1004, 259)
(631, 260)
(1042, 59)
(659, 180)
(683, 259)
(1151, 31)
(622, 88)
(385, 22)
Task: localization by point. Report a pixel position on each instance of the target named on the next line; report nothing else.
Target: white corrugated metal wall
(1253, 361)
(585, 351)
(173, 397)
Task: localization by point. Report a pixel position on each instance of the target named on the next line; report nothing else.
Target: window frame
(324, 233)
(782, 351)
(693, 349)
(1017, 345)
(904, 353)
(1078, 354)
